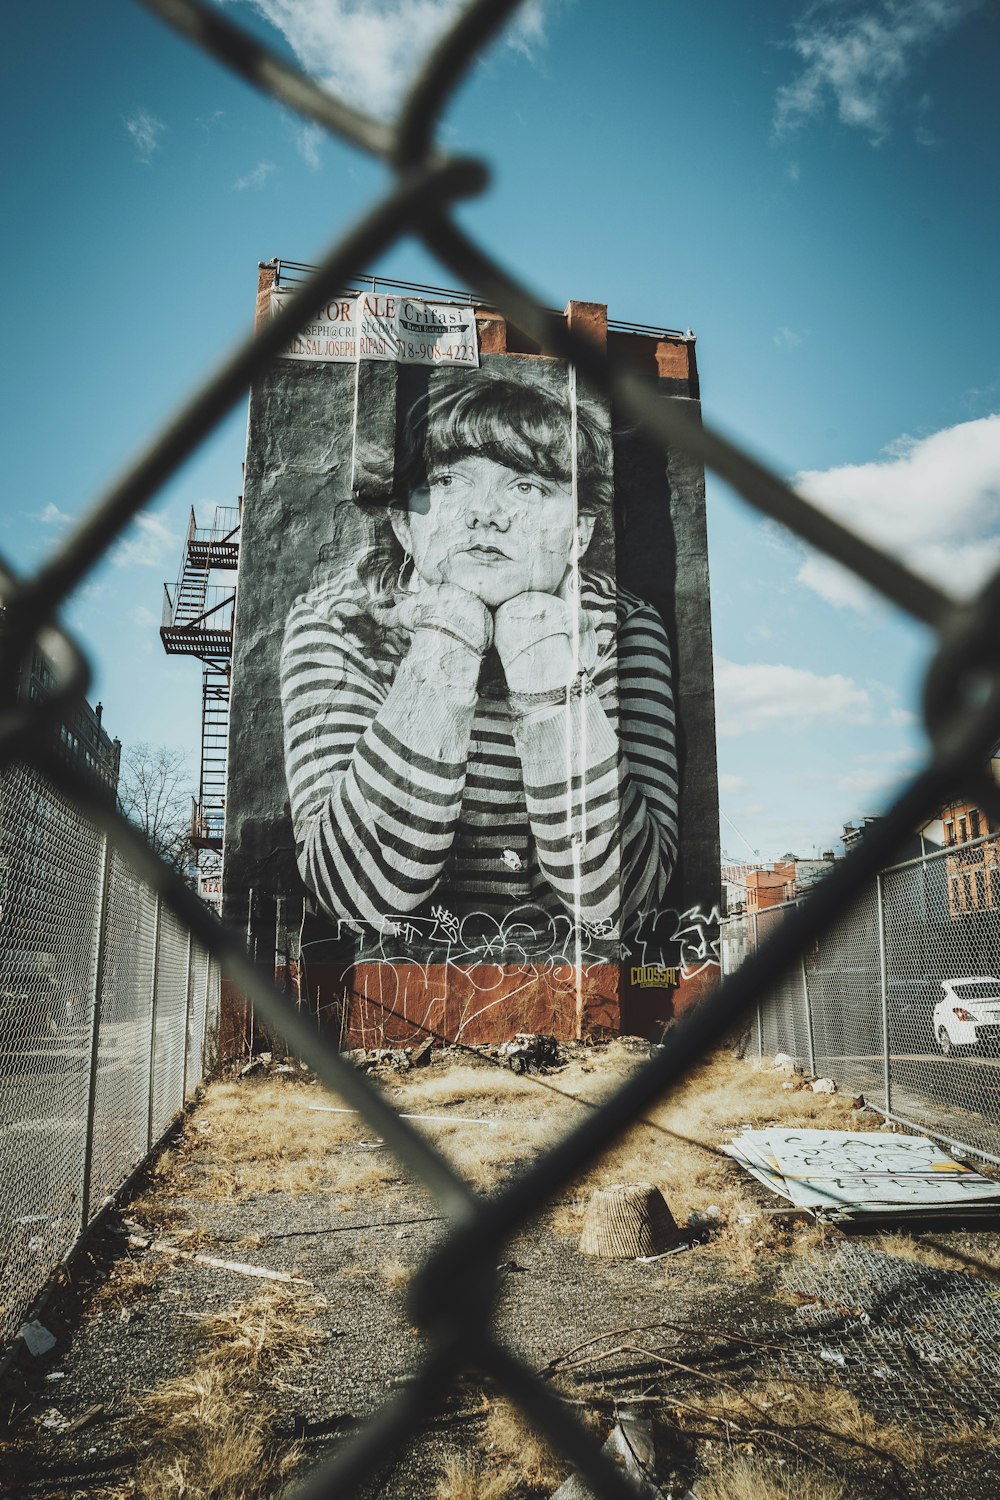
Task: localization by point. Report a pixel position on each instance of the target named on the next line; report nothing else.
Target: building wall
(297, 509)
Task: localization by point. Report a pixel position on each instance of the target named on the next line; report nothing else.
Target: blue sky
(810, 187)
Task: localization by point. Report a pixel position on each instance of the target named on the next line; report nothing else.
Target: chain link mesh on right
(453, 1297)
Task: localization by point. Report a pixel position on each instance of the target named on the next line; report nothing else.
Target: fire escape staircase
(198, 622)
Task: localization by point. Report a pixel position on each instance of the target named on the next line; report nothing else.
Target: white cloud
(256, 178)
(368, 51)
(53, 516)
(933, 502)
(145, 131)
(143, 617)
(307, 144)
(148, 544)
(730, 784)
(759, 695)
(786, 338)
(857, 57)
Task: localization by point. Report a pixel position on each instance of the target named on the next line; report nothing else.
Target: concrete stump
(627, 1220)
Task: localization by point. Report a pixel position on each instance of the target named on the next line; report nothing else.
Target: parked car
(968, 1014)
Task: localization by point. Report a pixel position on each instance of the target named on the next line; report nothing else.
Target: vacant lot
(179, 1375)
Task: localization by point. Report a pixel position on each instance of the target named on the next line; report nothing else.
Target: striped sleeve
(375, 773)
(603, 804)
(649, 786)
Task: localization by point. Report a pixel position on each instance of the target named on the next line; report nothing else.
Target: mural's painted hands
(541, 645)
(452, 631)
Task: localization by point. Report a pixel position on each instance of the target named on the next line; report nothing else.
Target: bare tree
(154, 793)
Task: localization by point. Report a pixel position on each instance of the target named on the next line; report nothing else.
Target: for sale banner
(406, 330)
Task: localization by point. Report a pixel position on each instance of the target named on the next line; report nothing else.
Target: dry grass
(214, 1433)
(129, 1280)
(807, 1417)
(526, 1455)
(985, 1261)
(744, 1476)
(463, 1479)
(395, 1273)
(252, 1137)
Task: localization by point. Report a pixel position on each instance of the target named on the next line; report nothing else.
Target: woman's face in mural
(492, 530)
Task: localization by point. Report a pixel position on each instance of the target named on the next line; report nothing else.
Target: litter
(36, 1337)
(631, 1446)
(848, 1173)
(332, 1109)
(140, 1242)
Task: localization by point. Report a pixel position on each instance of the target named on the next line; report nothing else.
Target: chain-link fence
(107, 1012)
(452, 1299)
(899, 999)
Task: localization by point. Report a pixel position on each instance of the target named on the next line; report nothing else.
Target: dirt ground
(184, 1378)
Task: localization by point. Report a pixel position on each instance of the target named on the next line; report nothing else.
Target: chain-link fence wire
(453, 1297)
(80, 966)
(871, 1010)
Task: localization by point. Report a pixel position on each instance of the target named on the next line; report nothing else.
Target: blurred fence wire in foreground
(453, 1297)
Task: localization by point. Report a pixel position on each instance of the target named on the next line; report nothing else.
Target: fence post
(886, 1077)
(187, 1018)
(809, 1017)
(152, 1023)
(95, 1029)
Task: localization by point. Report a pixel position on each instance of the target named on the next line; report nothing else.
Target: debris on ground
(847, 1173)
(530, 1052)
(823, 1086)
(36, 1338)
(626, 1221)
(631, 1446)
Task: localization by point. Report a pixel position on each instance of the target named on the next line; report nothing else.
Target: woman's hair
(526, 428)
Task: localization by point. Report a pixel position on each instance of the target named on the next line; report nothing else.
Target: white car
(968, 1015)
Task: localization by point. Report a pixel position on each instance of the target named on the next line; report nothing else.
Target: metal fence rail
(865, 1005)
(86, 950)
(453, 1297)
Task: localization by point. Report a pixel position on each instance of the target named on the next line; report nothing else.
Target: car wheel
(945, 1042)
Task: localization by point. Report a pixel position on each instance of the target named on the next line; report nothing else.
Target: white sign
(374, 326)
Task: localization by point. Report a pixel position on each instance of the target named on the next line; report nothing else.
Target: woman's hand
(452, 632)
(534, 636)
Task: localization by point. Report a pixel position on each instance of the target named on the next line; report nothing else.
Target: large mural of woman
(476, 717)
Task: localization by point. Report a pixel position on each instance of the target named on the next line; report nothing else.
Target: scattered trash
(705, 1216)
(528, 1052)
(92, 1414)
(511, 859)
(52, 1419)
(628, 1221)
(36, 1338)
(785, 1062)
(421, 1055)
(161, 1247)
(56, 1375)
(823, 1086)
(333, 1109)
(631, 1446)
(847, 1173)
(833, 1357)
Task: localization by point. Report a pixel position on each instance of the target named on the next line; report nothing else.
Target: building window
(974, 822)
(949, 833)
(963, 831)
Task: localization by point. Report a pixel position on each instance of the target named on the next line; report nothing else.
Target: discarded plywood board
(847, 1172)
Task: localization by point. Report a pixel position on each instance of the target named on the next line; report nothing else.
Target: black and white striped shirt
(401, 797)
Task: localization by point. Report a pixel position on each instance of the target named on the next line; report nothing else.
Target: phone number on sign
(459, 353)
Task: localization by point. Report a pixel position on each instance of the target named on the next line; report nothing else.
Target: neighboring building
(786, 880)
(734, 887)
(84, 743)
